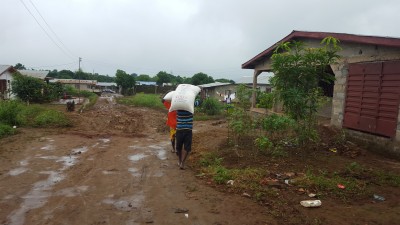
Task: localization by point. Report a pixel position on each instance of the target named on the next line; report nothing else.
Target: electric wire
(48, 35)
(51, 29)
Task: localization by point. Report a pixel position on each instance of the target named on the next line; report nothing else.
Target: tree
(297, 73)
(32, 89)
(143, 77)
(201, 78)
(125, 81)
(66, 74)
(163, 77)
(19, 66)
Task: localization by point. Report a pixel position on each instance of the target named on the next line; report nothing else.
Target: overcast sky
(181, 37)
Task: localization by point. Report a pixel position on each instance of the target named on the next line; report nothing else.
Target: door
(372, 97)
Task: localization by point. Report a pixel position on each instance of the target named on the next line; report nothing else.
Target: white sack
(169, 95)
(183, 98)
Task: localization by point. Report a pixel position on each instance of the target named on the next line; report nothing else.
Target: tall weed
(9, 111)
(143, 100)
(211, 106)
(52, 118)
(6, 130)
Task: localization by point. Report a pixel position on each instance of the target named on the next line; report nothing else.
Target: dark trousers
(183, 140)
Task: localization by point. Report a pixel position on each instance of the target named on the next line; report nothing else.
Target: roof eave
(350, 38)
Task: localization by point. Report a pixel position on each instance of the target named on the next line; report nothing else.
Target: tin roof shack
(82, 85)
(218, 90)
(106, 86)
(366, 92)
(6, 78)
(40, 74)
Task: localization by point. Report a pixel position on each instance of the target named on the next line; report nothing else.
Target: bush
(51, 118)
(6, 130)
(275, 123)
(211, 106)
(265, 100)
(9, 111)
(27, 115)
(30, 89)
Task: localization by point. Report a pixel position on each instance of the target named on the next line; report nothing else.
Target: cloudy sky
(181, 37)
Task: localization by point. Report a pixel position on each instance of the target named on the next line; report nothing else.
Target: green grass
(16, 113)
(51, 118)
(9, 111)
(92, 100)
(327, 184)
(6, 130)
(142, 100)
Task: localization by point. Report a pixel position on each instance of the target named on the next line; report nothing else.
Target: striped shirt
(184, 120)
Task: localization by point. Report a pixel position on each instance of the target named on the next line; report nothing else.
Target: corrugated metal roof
(73, 81)
(106, 84)
(4, 68)
(216, 84)
(352, 38)
(34, 73)
(146, 82)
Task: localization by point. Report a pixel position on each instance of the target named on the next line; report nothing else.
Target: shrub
(9, 111)
(27, 115)
(265, 100)
(6, 130)
(244, 94)
(30, 89)
(222, 175)
(211, 106)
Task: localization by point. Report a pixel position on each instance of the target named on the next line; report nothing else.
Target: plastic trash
(311, 203)
(341, 186)
(312, 195)
(379, 198)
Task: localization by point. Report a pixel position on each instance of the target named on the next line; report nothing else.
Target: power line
(44, 29)
(48, 26)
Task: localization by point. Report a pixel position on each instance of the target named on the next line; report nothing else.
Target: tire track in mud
(73, 174)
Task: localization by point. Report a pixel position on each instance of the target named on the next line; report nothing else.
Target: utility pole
(79, 78)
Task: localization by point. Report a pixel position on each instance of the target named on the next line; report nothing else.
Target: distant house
(150, 83)
(83, 85)
(262, 84)
(40, 74)
(365, 97)
(6, 72)
(218, 90)
(107, 86)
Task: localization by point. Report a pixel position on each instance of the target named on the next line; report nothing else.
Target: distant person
(184, 129)
(171, 122)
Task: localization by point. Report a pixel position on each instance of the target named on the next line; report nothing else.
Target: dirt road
(113, 167)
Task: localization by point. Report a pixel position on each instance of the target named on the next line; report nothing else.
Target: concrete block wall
(339, 92)
(353, 53)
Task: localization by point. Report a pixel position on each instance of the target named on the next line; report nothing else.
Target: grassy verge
(92, 100)
(352, 182)
(6, 130)
(142, 100)
(15, 113)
